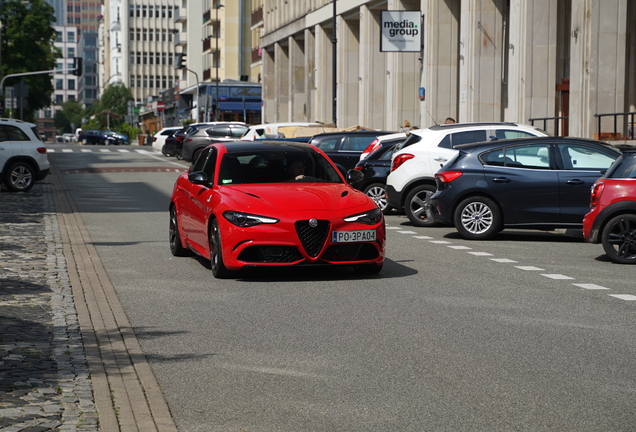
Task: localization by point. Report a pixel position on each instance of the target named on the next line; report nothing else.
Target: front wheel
(84, 141)
(418, 206)
(216, 253)
(619, 239)
(176, 246)
(478, 218)
(20, 177)
(178, 156)
(165, 152)
(377, 192)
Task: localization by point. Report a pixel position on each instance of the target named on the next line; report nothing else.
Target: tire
(418, 206)
(368, 269)
(19, 177)
(176, 246)
(377, 192)
(178, 156)
(216, 253)
(478, 218)
(619, 239)
(84, 141)
(164, 152)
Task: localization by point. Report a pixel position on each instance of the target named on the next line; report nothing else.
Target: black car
(376, 168)
(345, 148)
(93, 137)
(536, 183)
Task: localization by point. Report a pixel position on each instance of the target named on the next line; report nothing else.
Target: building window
(47, 113)
(138, 80)
(132, 81)
(59, 84)
(58, 36)
(145, 81)
(163, 11)
(59, 68)
(71, 97)
(70, 52)
(169, 11)
(131, 11)
(70, 36)
(71, 84)
(152, 81)
(143, 11)
(164, 82)
(59, 99)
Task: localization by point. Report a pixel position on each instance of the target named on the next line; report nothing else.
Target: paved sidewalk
(69, 358)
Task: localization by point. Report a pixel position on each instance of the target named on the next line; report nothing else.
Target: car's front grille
(270, 254)
(312, 238)
(350, 252)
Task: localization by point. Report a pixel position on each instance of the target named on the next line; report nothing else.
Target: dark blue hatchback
(540, 183)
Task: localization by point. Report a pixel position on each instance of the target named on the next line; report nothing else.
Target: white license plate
(353, 236)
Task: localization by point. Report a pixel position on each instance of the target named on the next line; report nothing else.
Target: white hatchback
(159, 139)
(23, 158)
(414, 163)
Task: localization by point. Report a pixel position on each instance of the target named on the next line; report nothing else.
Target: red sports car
(267, 204)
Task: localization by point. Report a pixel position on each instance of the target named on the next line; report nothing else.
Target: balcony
(257, 16)
(180, 39)
(207, 16)
(180, 16)
(207, 74)
(256, 54)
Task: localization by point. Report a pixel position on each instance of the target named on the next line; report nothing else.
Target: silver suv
(23, 159)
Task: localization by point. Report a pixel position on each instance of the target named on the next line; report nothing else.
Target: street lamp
(218, 59)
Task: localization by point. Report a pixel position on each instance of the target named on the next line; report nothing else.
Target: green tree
(27, 46)
(70, 114)
(112, 108)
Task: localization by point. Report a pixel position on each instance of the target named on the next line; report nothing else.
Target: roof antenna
(431, 117)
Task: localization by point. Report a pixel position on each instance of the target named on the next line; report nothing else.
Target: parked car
(69, 137)
(345, 148)
(411, 181)
(376, 167)
(115, 138)
(612, 216)
(180, 136)
(23, 159)
(92, 137)
(159, 140)
(270, 130)
(196, 141)
(241, 206)
(379, 142)
(541, 183)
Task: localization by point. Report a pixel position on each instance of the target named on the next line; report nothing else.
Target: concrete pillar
(269, 85)
(297, 95)
(323, 99)
(372, 71)
(281, 54)
(348, 72)
(310, 74)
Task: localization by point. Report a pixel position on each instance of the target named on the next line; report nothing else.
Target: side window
(210, 163)
(3, 134)
(468, 137)
(219, 131)
(508, 133)
(533, 156)
(357, 143)
(237, 131)
(445, 143)
(199, 163)
(625, 168)
(582, 157)
(15, 134)
(328, 144)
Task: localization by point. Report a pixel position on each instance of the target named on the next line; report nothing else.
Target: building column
(297, 95)
(269, 85)
(310, 74)
(323, 101)
(371, 70)
(348, 72)
(282, 84)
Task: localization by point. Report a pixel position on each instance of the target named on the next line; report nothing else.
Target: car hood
(294, 197)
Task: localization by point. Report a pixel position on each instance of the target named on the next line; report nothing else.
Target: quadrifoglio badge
(401, 31)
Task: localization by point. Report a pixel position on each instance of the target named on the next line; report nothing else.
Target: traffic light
(77, 66)
(178, 64)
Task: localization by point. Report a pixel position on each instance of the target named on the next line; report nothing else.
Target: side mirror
(199, 178)
(354, 176)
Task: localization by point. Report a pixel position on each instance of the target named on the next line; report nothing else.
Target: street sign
(160, 106)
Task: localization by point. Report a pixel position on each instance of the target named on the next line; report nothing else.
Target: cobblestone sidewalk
(44, 380)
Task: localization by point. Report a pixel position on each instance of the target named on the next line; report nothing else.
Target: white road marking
(86, 151)
(67, 150)
(104, 150)
(394, 228)
(423, 237)
(591, 286)
(460, 247)
(123, 151)
(480, 253)
(407, 232)
(623, 296)
(439, 242)
(503, 260)
(48, 150)
(557, 276)
(529, 268)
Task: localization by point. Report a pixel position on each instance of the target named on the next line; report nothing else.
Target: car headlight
(247, 220)
(370, 217)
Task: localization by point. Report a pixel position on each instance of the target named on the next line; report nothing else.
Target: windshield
(276, 166)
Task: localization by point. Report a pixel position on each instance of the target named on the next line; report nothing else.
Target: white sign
(401, 31)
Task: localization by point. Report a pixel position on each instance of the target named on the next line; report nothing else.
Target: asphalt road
(531, 331)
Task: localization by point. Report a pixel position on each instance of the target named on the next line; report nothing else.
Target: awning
(238, 106)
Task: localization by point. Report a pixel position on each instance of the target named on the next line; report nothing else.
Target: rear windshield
(623, 167)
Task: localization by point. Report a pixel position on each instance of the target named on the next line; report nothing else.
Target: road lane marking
(530, 268)
(393, 228)
(440, 242)
(423, 237)
(480, 253)
(591, 286)
(123, 151)
(503, 260)
(407, 232)
(460, 247)
(557, 276)
(86, 151)
(623, 296)
(67, 150)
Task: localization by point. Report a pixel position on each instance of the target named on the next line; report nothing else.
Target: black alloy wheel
(176, 248)
(20, 177)
(216, 253)
(478, 218)
(418, 206)
(619, 239)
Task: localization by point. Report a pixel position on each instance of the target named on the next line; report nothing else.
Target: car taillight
(375, 144)
(41, 150)
(154, 139)
(595, 195)
(358, 167)
(448, 176)
(400, 159)
(189, 139)
(180, 138)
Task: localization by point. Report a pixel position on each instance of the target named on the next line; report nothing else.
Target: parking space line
(557, 276)
(530, 268)
(423, 237)
(460, 247)
(623, 296)
(440, 242)
(503, 260)
(591, 286)
(480, 253)
(407, 232)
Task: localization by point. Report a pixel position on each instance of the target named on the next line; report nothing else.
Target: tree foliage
(112, 108)
(69, 117)
(27, 46)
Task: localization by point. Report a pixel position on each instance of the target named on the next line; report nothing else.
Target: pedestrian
(450, 120)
